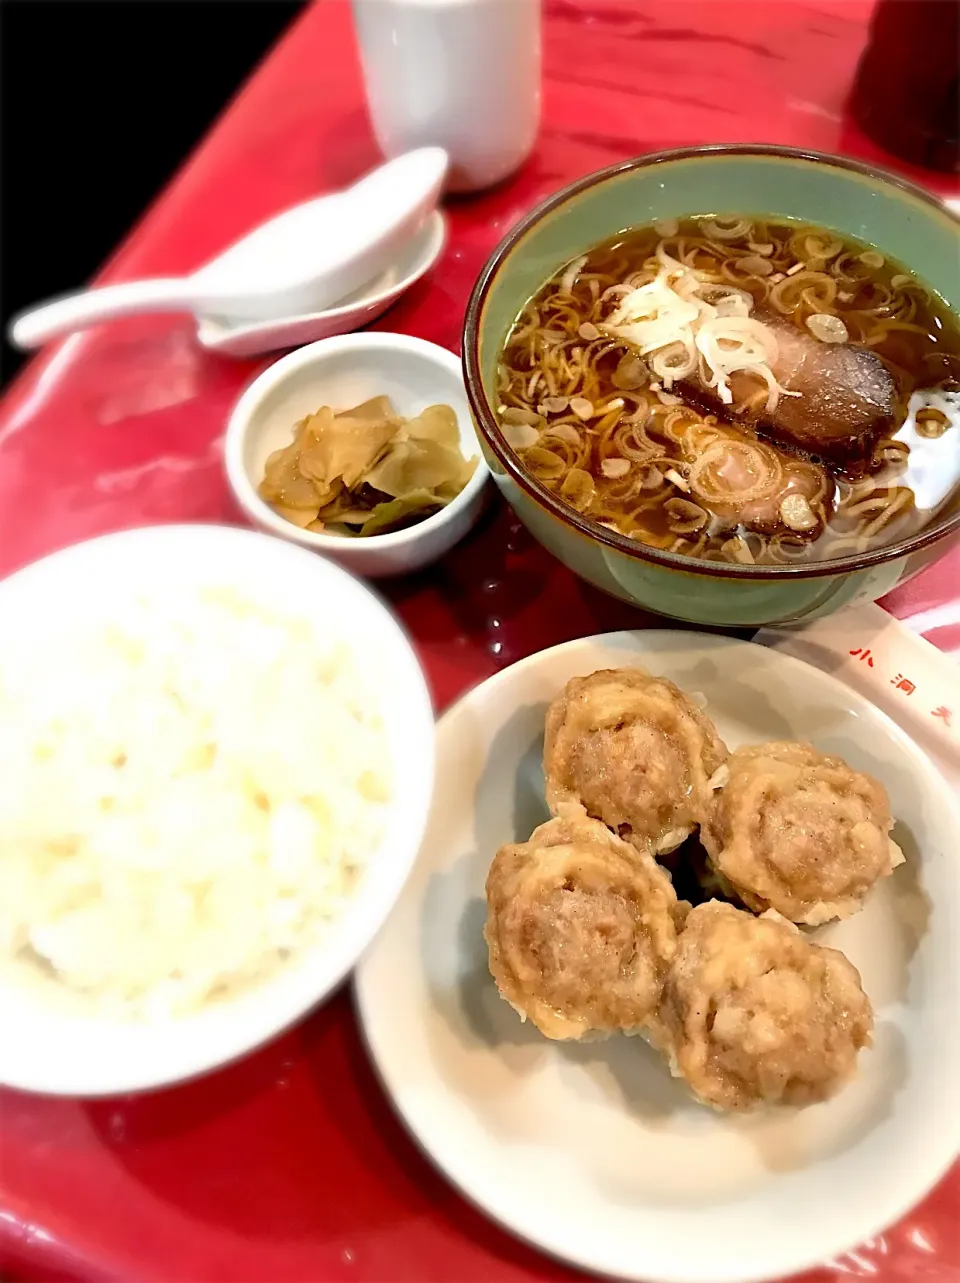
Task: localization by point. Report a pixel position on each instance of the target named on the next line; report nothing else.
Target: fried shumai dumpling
(635, 751)
(580, 927)
(753, 1013)
(799, 831)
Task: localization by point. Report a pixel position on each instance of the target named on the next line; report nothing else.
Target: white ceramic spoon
(304, 260)
(248, 338)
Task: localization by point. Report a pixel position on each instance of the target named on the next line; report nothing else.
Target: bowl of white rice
(217, 759)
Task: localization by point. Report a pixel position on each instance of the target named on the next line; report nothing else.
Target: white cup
(459, 74)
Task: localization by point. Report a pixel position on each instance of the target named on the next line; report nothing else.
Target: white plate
(593, 1152)
(247, 338)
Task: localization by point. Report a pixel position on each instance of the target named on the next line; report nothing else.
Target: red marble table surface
(290, 1165)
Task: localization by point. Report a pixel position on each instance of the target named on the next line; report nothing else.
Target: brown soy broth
(914, 358)
(858, 503)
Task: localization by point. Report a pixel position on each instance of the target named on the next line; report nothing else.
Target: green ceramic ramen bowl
(900, 219)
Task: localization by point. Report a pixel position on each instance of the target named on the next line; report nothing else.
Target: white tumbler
(459, 74)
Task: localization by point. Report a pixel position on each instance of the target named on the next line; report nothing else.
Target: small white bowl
(247, 338)
(47, 1044)
(342, 372)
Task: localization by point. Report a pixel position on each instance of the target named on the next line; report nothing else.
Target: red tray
(290, 1165)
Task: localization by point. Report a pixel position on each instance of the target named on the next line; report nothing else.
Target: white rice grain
(188, 795)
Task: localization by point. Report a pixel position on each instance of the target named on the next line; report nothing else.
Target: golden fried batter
(753, 1013)
(635, 751)
(581, 928)
(800, 832)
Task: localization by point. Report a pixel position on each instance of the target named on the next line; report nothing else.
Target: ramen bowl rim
(485, 418)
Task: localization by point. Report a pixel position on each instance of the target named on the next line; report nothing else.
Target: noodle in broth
(620, 433)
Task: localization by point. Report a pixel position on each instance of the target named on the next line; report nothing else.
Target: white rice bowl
(218, 759)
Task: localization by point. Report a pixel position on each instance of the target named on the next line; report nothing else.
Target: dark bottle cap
(906, 95)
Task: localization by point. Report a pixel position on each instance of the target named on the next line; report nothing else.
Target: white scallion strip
(725, 229)
(827, 328)
(553, 405)
(678, 361)
(519, 436)
(563, 432)
(680, 322)
(568, 280)
(796, 512)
